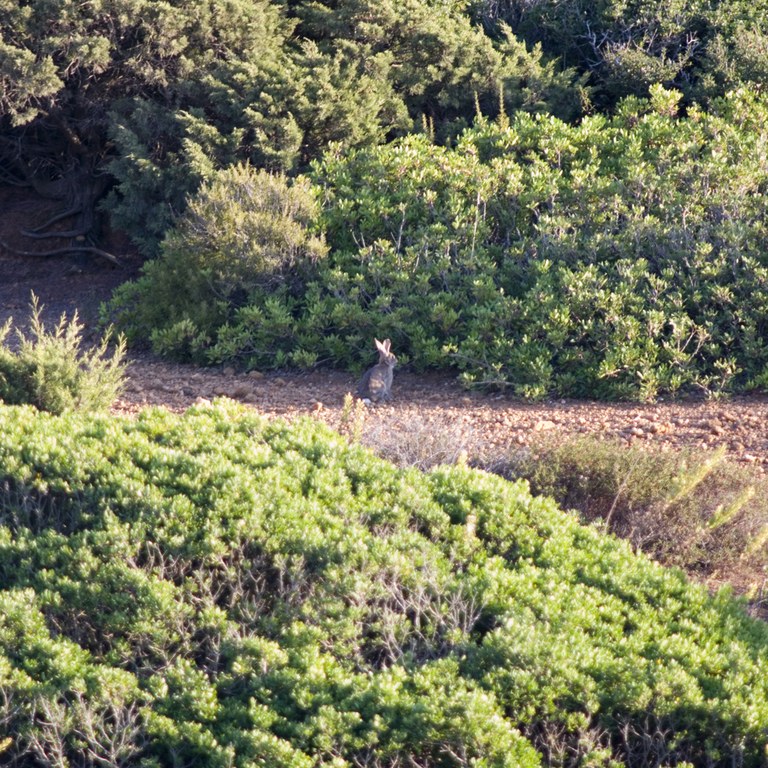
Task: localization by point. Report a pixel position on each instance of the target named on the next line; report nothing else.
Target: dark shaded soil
(63, 284)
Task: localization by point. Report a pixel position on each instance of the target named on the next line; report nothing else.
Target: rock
(636, 432)
(281, 382)
(202, 401)
(239, 392)
(258, 375)
(544, 425)
(229, 371)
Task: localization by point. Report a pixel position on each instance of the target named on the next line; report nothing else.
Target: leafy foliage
(216, 589)
(617, 258)
(701, 47)
(146, 99)
(142, 100)
(246, 231)
(50, 370)
(80, 80)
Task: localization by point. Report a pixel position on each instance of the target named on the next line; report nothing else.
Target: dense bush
(621, 257)
(703, 47)
(51, 370)
(128, 105)
(215, 590)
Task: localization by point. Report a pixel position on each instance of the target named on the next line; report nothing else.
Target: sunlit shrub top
(218, 589)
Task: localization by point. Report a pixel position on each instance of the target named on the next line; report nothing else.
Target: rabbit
(376, 383)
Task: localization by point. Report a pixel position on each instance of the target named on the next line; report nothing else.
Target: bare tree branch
(64, 250)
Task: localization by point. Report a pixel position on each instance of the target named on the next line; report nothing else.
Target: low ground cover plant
(693, 509)
(52, 370)
(215, 589)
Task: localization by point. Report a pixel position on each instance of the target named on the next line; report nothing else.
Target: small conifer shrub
(52, 371)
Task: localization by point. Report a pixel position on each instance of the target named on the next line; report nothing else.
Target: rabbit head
(385, 355)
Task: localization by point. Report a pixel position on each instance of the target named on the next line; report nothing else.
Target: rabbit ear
(382, 347)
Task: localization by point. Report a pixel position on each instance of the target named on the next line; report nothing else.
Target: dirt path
(436, 408)
(427, 413)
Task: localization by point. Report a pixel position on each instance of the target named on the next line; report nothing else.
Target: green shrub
(703, 48)
(620, 258)
(215, 589)
(245, 232)
(51, 370)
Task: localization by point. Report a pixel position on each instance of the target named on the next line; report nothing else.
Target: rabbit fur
(376, 383)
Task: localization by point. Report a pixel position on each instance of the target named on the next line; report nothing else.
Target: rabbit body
(376, 383)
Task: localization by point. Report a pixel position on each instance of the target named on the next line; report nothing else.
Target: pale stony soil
(437, 404)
